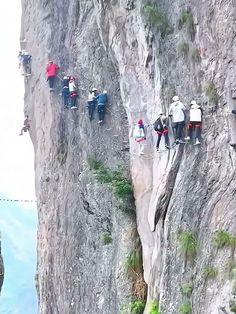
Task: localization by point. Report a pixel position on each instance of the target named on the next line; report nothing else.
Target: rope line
(15, 200)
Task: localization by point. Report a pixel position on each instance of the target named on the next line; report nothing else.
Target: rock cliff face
(142, 54)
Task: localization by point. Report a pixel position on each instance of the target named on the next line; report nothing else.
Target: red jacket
(52, 69)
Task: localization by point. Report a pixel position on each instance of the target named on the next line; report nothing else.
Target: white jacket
(195, 114)
(177, 111)
(72, 86)
(91, 96)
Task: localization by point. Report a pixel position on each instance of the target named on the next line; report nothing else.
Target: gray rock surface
(111, 45)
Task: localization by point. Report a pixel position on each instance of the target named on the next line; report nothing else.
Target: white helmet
(160, 113)
(94, 89)
(26, 53)
(65, 78)
(104, 92)
(175, 98)
(193, 102)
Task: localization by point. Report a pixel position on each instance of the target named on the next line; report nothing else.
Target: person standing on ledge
(177, 112)
(51, 71)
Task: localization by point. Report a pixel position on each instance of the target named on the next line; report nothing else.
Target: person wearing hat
(73, 92)
(177, 112)
(161, 128)
(195, 123)
(51, 72)
(92, 101)
(102, 101)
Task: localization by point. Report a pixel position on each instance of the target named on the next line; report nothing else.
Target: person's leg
(50, 81)
(180, 127)
(174, 127)
(99, 113)
(92, 110)
(198, 131)
(166, 136)
(158, 139)
(21, 131)
(103, 113)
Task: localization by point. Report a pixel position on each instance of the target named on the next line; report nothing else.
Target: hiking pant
(73, 101)
(91, 108)
(51, 80)
(178, 129)
(160, 133)
(194, 130)
(65, 97)
(101, 111)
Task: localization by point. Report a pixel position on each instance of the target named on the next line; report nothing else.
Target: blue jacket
(102, 98)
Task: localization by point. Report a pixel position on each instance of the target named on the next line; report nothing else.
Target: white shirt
(177, 111)
(91, 96)
(195, 114)
(72, 86)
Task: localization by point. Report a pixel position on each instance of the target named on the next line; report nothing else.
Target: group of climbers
(69, 92)
(178, 115)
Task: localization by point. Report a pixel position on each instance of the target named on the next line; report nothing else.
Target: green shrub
(183, 49)
(209, 272)
(185, 308)
(156, 19)
(134, 307)
(187, 244)
(186, 19)
(211, 92)
(232, 306)
(107, 238)
(122, 186)
(134, 260)
(153, 308)
(187, 288)
(224, 238)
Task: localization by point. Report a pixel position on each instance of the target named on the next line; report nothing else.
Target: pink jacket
(52, 69)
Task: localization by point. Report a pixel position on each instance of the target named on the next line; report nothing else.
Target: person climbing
(51, 71)
(102, 102)
(177, 112)
(161, 127)
(73, 93)
(195, 122)
(26, 63)
(139, 131)
(92, 102)
(26, 126)
(65, 91)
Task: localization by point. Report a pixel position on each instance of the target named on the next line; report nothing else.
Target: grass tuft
(187, 288)
(185, 308)
(187, 244)
(106, 238)
(209, 272)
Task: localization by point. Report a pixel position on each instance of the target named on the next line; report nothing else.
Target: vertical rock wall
(111, 44)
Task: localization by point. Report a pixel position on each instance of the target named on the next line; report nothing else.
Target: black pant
(51, 80)
(91, 108)
(101, 112)
(178, 129)
(159, 138)
(73, 101)
(194, 130)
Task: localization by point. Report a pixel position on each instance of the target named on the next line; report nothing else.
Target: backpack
(158, 125)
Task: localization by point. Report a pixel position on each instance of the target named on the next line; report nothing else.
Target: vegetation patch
(122, 187)
(156, 19)
(134, 307)
(185, 308)
(153, 308)
(183, 49)
(187, 288)
(211, 92)
(129, 210)
(106, 238)
(209, 272)
(232, 306)
(223, 238)
(186, 20)
(187, 244)
(134, 261)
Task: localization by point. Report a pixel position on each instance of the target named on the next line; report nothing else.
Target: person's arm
(171, 110)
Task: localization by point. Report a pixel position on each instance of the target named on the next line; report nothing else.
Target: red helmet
(72, 78)
(140, 121)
